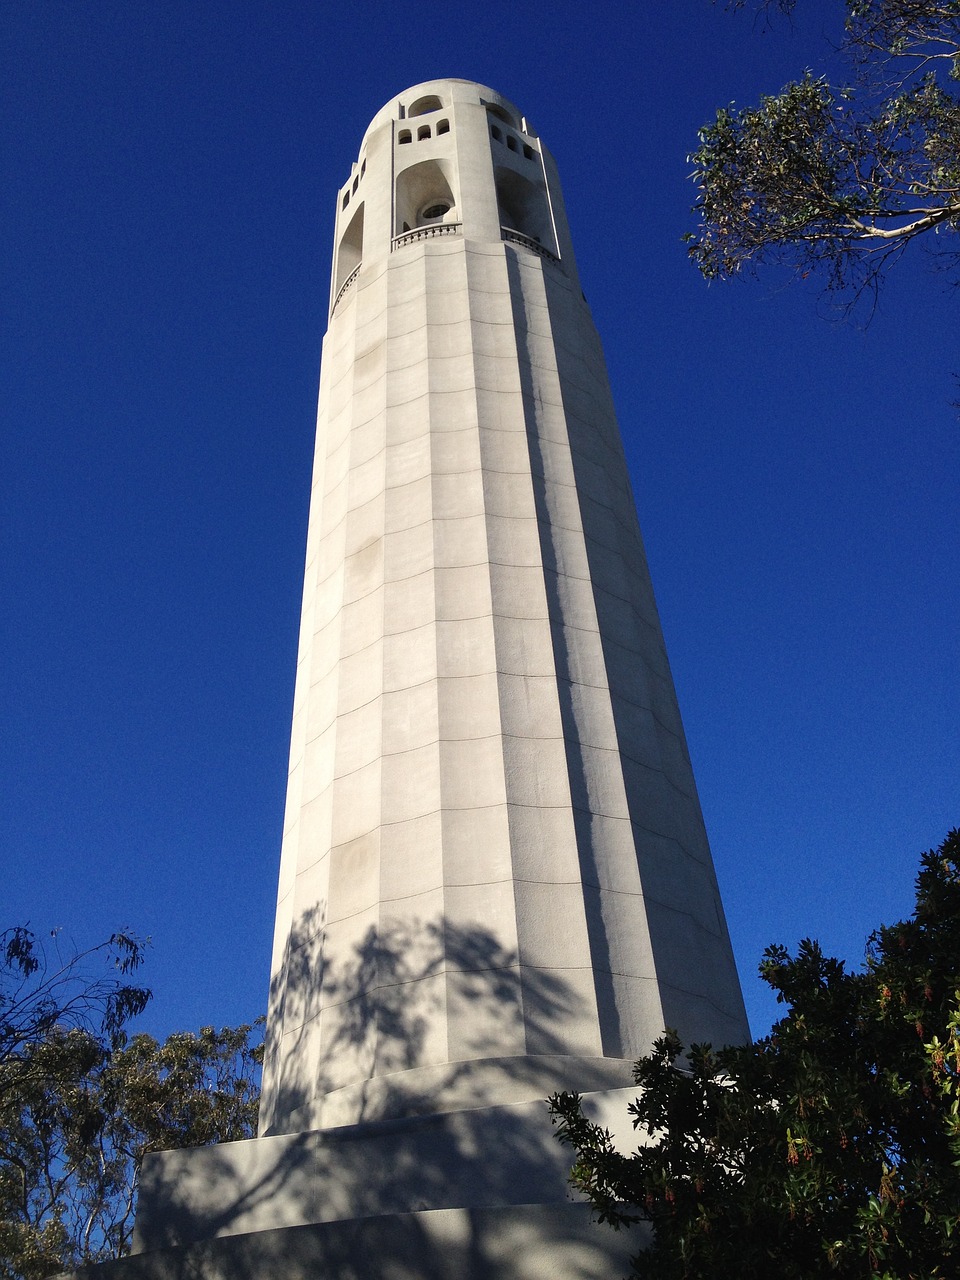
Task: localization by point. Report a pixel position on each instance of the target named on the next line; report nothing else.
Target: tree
(829, 1147)
(839, 181)
(42, 986)
(81, 1102)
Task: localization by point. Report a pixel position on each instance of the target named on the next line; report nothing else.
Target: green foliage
(840, 181)
(829, 1147)
(80, 1102)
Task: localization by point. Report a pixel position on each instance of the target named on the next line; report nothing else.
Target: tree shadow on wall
(346, 1201)
(357, 1023)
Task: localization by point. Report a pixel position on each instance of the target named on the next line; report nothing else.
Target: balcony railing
(528, 242)
(425, 233)
(346, 285)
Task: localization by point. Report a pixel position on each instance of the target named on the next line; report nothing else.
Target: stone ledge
(482, 1158)
(462, 1085)
(526, 1242)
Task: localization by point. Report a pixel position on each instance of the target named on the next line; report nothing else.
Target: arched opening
(404, 136)
(423, 133)
(424, 197)
(501, 113)
(511, 142)
(524, 207)
(443, 126)
(497, 133)
(350, 252)
(424, 105)
(527, 152)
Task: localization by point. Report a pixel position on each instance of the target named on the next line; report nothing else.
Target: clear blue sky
(169, 177)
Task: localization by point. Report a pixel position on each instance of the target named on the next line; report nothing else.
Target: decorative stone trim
(424, 233)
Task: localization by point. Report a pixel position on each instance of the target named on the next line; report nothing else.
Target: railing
(425, 233)
(528, 242)
(346, 285)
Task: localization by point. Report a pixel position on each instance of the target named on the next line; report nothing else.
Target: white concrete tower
(495, 879)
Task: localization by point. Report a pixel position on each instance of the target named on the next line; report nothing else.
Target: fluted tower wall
(495, 879)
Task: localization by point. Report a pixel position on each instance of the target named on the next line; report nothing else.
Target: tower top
(434, 95)
(450, 159)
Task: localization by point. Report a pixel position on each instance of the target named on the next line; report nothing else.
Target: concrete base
(527, 1242)
(470, 1195)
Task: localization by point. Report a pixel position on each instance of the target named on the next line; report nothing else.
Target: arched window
(350, 249)
(443, 126)
(524, 207)
(404, 136)
(494, 110)
(363, 168)
(528, 152)
(356, 183)
(423, 133)
(498, 136)
(511, 142)
(346, 200)
(423, 196)
(423, 106)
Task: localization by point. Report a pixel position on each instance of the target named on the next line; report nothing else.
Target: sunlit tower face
(495, 879)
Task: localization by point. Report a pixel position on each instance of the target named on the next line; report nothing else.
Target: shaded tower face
(495, 879)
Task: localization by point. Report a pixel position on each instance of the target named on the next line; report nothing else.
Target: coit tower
(495, 879)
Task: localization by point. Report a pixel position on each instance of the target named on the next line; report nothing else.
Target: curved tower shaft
(495, 879)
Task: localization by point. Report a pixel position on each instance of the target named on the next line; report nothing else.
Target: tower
(495, 880)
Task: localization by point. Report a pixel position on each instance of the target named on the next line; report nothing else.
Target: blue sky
(167, 210)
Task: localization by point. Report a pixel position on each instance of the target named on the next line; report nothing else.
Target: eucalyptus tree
(82, 1101)
(837, 180)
